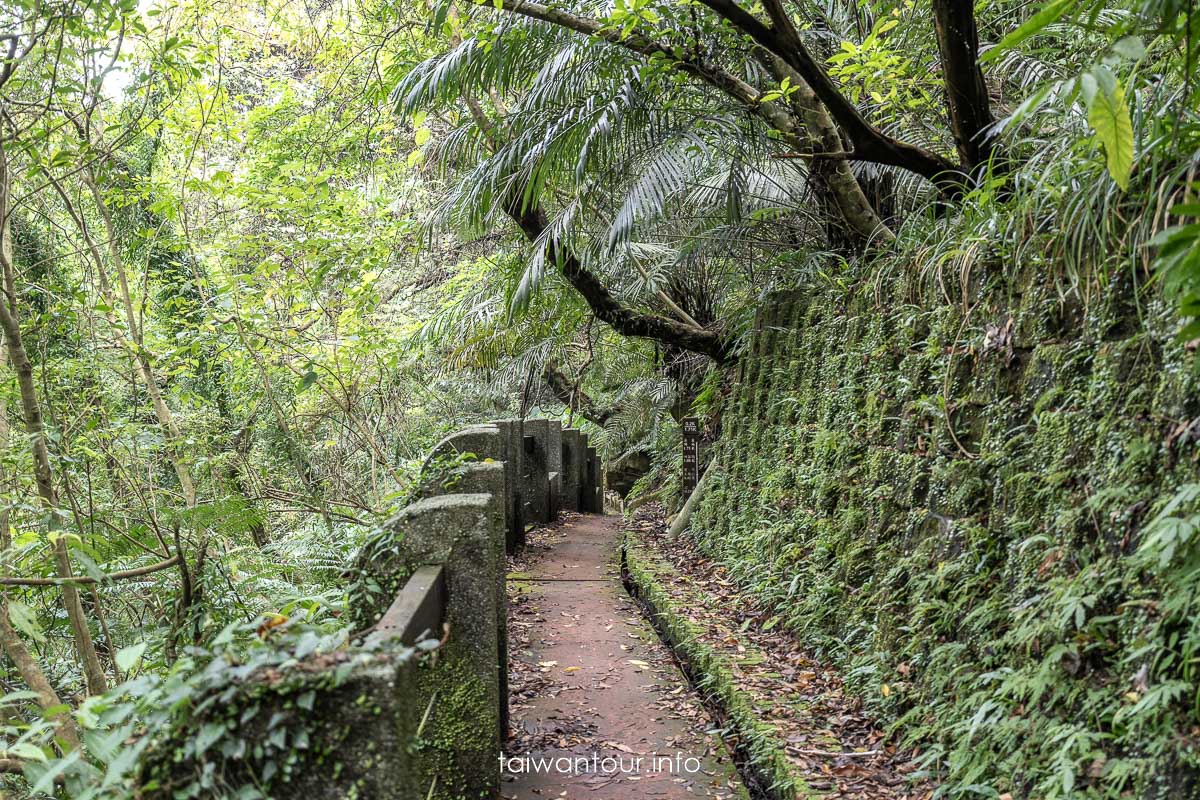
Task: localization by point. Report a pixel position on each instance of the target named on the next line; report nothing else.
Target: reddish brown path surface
(599, 709)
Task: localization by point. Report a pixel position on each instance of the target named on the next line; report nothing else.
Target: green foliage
(1178, 261)
(1001, 556)
(1109, 117)
(1047, 15)
(179, 728)
(873, 69)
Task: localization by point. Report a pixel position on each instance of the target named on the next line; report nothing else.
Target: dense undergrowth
(971, 490)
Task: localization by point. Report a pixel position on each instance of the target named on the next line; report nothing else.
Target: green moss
(988, 577)
(715, 676)
(455, 741)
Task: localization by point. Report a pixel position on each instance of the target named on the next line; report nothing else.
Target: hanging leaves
(1108, 114)
(25, 620)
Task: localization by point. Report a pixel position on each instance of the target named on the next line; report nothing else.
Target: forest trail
(599, 707)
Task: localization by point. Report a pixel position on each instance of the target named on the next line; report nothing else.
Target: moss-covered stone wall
(951, 493)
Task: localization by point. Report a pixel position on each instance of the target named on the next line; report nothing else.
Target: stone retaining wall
(951, 495)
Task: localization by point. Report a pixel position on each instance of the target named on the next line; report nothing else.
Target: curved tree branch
(567, 392)
(77, 580)
(816, 132)
(830, 160)
(625, 321)
(868, 142)
(532, 220)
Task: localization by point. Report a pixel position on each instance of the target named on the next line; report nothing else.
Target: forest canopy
(258, 257)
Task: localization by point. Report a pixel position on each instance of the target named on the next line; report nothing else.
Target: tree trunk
(684, 517)
(35, 678)
(11, 642)
(570, 395)
(828, 166)
(43, 471)
(966, 92)
(242, 442)
(176, 447)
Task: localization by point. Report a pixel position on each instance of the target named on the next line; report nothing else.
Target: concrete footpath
(599, 708)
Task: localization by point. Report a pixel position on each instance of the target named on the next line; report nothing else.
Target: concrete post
(464, 533)
(543, 456)
(489, 478)
(511, 430)
(574, 468)
(592, 489)
(554, 493)
(553, 447)
(498, 441)
(401, 725)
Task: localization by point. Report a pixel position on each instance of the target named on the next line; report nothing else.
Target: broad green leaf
(306, 381)
(1174, 234)
(128, 657)
(27, 751)
(90, 567)
(25, 620)
(17, 696)
(1109, 117)
(43, 774)
(1130, 47)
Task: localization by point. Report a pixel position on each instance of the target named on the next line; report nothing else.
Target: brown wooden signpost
(691, 454)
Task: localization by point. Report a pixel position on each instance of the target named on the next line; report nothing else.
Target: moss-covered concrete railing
(417, 707)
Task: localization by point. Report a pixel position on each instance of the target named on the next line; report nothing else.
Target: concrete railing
(418, 706)
(548, 469)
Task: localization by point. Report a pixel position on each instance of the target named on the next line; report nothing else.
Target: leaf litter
(830, 743)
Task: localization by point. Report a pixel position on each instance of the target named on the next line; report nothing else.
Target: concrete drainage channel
(761, 783)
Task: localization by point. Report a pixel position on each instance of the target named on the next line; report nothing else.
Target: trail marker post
(691, 454)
